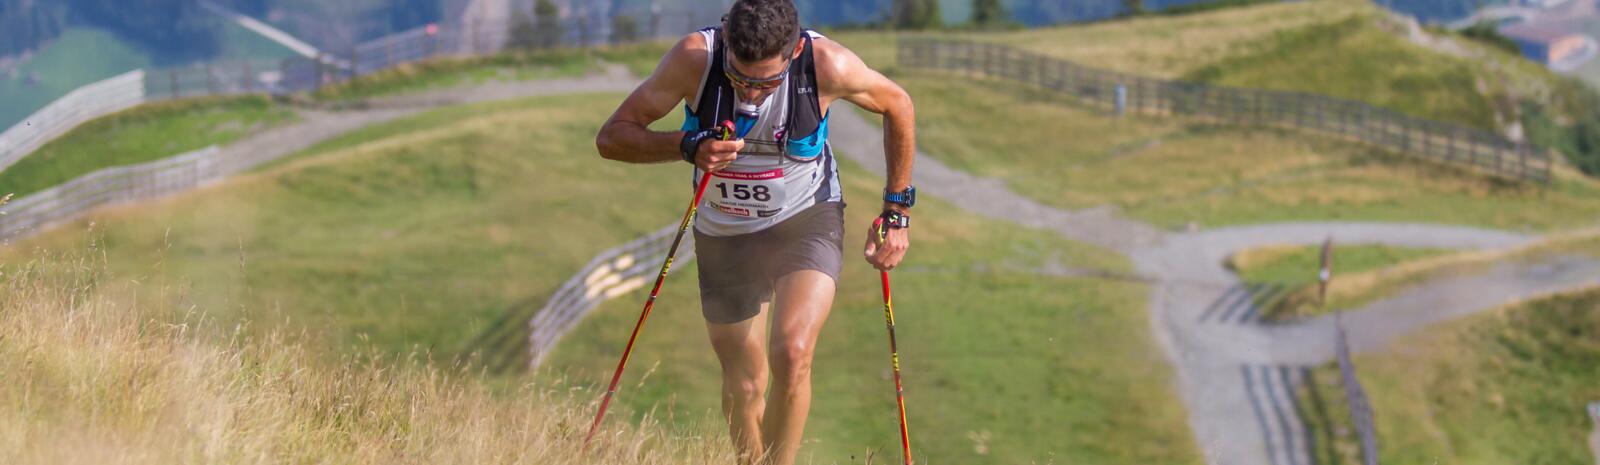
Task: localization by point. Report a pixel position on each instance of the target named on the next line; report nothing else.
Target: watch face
(906, 197)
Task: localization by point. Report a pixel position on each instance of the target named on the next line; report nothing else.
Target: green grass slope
(145, 133)
(1507, 387)
(1171, 171)
(1355, 59)
(1350, 49)
(422, 237)
(456, 72)
(1344, 48)
(421, 233)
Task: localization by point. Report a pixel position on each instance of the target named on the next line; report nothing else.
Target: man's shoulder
(684, 63)
(834, 61)
(692, 47)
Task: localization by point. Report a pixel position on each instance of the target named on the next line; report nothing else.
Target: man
(773, 236)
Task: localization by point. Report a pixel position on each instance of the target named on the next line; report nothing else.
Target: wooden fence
(1356, 398)
(123, 184)
(610, 274)
(108, 186)
(1120, 92)
(77, 107)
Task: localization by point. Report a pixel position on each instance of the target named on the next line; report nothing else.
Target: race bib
(747, 195)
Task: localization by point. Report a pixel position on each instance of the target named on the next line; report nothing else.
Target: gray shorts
(738, 273)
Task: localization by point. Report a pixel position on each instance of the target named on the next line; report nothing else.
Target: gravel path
(316, 126)
(862, 142)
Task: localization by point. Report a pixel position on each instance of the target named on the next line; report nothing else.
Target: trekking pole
(894, 349)
(726, 133)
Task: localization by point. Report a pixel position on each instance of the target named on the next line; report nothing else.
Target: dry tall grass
(86, 377)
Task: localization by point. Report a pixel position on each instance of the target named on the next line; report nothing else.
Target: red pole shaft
(894, 352)
(688, 216)
(894, 356)
(648, 304)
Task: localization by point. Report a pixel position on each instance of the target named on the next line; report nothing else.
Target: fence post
(1450, 144)
(655, 20)
(583, 30)
(316, 68)
(1427, 141)
(477, 36)
(1322, 114)
(1549, 164)
(1256, 96)
(1405, 137)
(1522, 161)
(355, 63)
(249, 79)
(1121, 102)
(174, 76)
(1367, 131)
(211, 80)
(1299, 109)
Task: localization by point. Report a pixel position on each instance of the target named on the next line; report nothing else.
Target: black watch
(906, 198)
(692, 140)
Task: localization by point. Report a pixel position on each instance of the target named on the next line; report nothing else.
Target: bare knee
(744, 388)
(791, 362)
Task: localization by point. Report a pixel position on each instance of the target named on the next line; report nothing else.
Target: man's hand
(715, 155)
(887, 254)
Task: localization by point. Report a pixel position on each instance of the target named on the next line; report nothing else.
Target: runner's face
(768, 73)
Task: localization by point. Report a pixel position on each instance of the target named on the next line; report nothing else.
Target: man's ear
(799, 46)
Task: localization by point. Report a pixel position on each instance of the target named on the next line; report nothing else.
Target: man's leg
(742, 351)
(803, 300)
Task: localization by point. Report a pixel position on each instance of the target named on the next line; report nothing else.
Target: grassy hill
(145, 133)
(512, 65)
(1171, 171)
(1349, 49)
(1345, 48)
(94, 377)
(419, 234)
(1507, 387)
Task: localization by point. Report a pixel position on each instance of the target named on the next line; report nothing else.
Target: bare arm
(627, 136)
(846, 77)
(843, 75)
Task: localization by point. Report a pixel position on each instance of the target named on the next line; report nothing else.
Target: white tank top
(762, 187)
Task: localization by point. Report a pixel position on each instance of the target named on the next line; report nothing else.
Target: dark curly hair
(761, 29)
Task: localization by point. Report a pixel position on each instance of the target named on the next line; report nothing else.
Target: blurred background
(1152, 231)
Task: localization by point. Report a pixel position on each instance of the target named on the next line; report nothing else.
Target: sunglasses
(740, 80)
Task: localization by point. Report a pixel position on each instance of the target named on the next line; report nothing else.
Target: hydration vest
(804, 119)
